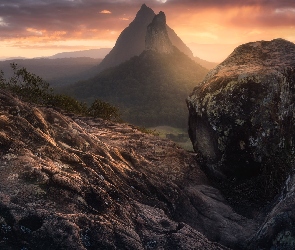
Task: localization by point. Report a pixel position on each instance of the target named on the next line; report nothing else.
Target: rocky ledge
(69, 182)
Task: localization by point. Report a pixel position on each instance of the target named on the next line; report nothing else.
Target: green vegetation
(104, 110)
(149, 89)
(32, 88)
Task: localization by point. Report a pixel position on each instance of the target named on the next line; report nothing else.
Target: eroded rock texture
(70, 182)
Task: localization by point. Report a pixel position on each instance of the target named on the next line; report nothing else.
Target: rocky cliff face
(242, 115)
(131, 41)
(157, 38)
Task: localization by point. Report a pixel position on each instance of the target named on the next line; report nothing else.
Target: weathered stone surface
(242, 114)
(70, 182)
(157, 38)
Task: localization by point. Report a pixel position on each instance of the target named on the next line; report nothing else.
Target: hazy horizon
(204, 51)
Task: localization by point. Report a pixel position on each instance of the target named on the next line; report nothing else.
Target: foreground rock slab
(69, 182)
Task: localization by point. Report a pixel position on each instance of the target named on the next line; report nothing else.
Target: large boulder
(241, 117)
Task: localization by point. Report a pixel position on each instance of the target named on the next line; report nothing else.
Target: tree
(26, 85)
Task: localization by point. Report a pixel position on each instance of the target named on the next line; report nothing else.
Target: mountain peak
(144, 7)
(144, 12)
(157, 38)
(160, 19)
(132, 40)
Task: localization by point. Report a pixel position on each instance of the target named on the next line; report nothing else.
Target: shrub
(104, 110)
(67, 103)
(26, 85)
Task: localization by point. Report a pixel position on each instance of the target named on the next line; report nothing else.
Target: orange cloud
(105, 12)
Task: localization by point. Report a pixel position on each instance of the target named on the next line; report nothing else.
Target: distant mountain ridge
(12, 58)
(58, 72)
(91, 53)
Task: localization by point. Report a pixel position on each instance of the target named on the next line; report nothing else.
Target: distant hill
(12, 58)
(204, 63)
(151, 88)
(58, 72)
(91, 53)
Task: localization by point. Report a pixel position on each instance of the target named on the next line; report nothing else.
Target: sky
(211, 28)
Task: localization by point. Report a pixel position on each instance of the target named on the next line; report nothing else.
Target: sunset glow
(42, 28)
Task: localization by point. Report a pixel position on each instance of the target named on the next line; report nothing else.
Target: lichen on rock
(241, 117)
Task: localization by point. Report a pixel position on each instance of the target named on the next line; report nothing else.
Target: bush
(68, 104)
(104, 110)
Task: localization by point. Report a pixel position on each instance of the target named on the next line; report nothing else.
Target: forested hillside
(150, 89)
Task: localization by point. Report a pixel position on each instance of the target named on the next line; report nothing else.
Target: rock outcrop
(157, 38)
(69, 182)
(242, 116)
(131, 41)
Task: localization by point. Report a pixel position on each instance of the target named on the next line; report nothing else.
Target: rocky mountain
(241, 123)
(91, 53)
(149, 89)
(131, 41)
